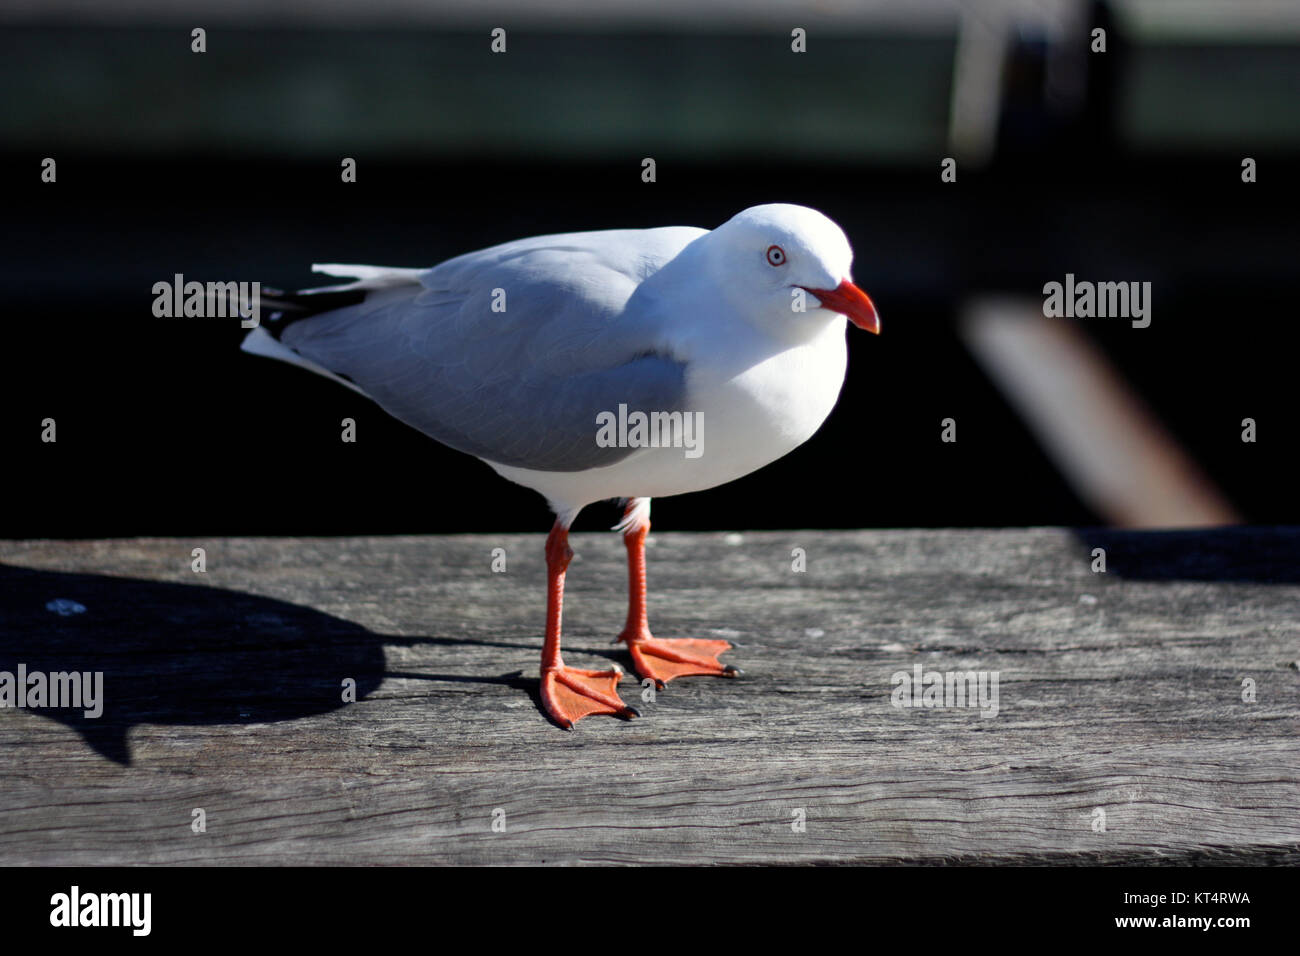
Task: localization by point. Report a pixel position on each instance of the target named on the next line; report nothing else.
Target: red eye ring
(775, 256)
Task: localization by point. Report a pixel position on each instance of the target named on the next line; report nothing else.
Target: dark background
(164, 427)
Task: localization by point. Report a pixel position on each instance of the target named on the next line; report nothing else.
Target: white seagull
(626, 363)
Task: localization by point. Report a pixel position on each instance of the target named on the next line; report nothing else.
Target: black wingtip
(285, 308)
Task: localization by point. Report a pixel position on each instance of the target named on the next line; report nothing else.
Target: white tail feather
(368, 277)
(261, 342)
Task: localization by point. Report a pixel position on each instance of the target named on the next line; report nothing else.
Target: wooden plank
(1119, 692)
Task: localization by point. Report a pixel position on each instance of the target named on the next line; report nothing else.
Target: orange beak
(848, 300)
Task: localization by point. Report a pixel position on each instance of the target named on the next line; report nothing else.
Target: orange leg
(569, 693)
(661, 660)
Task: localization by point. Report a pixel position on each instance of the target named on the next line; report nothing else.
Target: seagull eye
(775, 256)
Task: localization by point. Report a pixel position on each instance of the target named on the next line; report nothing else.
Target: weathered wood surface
(1120, 691)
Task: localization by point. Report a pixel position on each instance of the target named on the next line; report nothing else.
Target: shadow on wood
(1258, 555)
(180, 653)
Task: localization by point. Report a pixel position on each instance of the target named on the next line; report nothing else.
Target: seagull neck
(683, 286)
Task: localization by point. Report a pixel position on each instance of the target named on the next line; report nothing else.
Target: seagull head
(788, 267)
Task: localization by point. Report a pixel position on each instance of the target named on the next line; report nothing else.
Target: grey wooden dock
(1145, 714)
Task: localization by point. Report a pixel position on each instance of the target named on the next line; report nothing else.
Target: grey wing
(519, 387)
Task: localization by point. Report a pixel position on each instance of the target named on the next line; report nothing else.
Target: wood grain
(1120, 691)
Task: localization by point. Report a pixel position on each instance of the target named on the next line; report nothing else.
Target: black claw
(633, 712)
(731, 671)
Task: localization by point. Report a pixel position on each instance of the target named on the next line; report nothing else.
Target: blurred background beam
(913, 15)
(1110, 448)
(1210, 20)
(985, 34)
(977, 83)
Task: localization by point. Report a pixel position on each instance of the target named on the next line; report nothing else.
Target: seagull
(625, 364)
